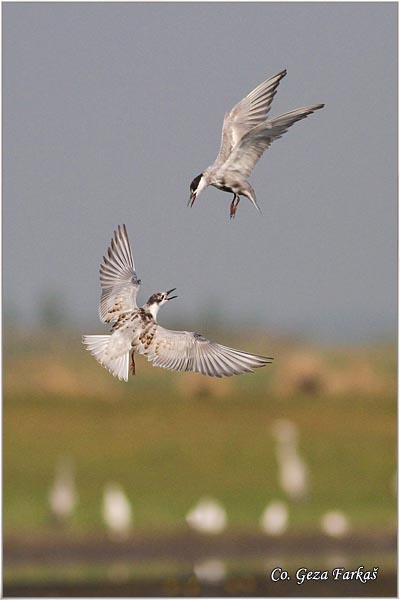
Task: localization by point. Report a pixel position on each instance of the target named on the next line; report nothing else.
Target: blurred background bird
(211, 570)
(274, 519)
(293, 471)
(63, 497)
(117, 511)
(334, 523)
(208, 516)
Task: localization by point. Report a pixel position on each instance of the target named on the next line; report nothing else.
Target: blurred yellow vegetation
(310, 372)
(59, 366)
(52, 376)
(195, 385)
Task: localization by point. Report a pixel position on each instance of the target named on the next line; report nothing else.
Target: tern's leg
(234, 205)
(133, 368)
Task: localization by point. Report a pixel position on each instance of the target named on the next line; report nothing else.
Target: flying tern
(246, 134)
(136, 329)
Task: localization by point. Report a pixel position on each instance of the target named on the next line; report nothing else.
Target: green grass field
(169, 438)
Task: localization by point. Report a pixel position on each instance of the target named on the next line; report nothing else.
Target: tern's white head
(198, 184)
(157, 300)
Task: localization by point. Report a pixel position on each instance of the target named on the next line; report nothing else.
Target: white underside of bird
(136, 329)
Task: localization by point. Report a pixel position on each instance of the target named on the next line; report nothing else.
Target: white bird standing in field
(246, 134)
(136, 329)
(117, 511)
(208, 516)
(292, 469)
(274, 519)
(62, 494)
(335, 523)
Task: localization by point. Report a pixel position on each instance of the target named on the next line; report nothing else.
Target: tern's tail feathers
(251, 195)
(253, 200)
(98, 345)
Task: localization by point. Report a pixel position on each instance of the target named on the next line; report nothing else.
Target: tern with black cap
(246, 134)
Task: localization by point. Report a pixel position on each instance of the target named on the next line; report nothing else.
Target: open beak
(169, 292)
(192, 199)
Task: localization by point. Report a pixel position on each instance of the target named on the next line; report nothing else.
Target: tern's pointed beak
(169, 292)
(192, 199)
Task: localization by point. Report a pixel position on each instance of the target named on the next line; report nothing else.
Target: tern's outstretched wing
(188, 351)
(251, 147)
(247, 114)
(118, 279)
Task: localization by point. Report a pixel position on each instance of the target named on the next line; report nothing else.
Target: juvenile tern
(136, 329)
(246, 134)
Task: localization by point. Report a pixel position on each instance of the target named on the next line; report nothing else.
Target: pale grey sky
(110, 110)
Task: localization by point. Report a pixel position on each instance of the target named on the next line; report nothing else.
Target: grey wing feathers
(118, 279)
(188, 351)
(248, 113)
(245, 155)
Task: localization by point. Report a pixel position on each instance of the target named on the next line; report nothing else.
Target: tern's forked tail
(98, 346)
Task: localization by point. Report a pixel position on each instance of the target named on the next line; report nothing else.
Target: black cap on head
(155, 298)
(195, 183)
